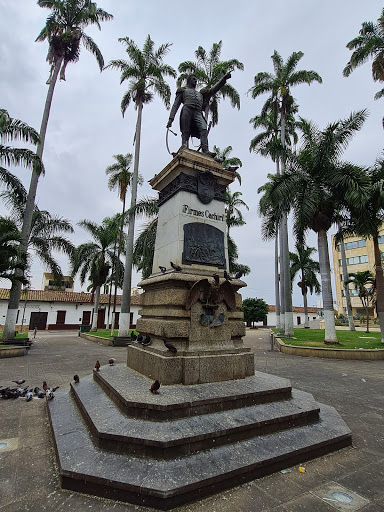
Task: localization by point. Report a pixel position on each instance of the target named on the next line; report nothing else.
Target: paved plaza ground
(29, 478)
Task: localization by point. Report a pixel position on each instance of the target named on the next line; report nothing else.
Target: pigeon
(146, 341)
(49, 394)
(170, 347)
(22, 391)
(39, 393)
(97, 365)
(45, 385)
(175, 267)
(76, 379)
(239, 274)
(111, 361)
(19, 381)
(163, 269)
(155, 387)
(139, 339)
(133, 336)
(29, 395)
(227, 276)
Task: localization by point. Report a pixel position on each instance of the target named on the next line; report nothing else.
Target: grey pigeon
(175, 267)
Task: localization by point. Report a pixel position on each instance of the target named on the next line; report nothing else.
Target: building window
(356, 260)
(298, 320)
(355, 244)
(352, 292)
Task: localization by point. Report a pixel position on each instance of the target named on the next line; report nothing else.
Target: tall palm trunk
(330, 337)
(305, 301)
(282, 280)
(96, 309)
(124, 319)
(351, 323)
(288, 317)
(14, 295)
(117, 271)
(277, 273)
(277, 284)
(379, 286)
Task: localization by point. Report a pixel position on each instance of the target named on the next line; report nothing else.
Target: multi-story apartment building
(360, 257)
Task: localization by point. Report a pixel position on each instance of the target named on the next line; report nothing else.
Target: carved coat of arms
(206, 187)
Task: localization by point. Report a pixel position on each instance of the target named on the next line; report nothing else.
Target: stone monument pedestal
(215, 422)
(204, 354)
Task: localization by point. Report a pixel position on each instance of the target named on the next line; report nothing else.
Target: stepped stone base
(115, 439)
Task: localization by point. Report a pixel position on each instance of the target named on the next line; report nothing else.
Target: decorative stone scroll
(203, 244)
(190, 184)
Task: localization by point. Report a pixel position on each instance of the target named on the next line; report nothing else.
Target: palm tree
(351, 322)
(209, 69)
(12, 130)
(318, 187)
(369, 44)
(301, 261)
(47, 230)
(268, 143)
(233, 215)
(64, 31)
(367, 221)
(119, 178)
(231, 163)
(145, 71)
(360, 281)
(279, 86)
(95, 259)
(10, 258)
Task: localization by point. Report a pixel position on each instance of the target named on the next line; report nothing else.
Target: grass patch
(347, 339)
(18, 335)
(106, 333)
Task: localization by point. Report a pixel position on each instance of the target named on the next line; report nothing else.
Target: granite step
(113, 430)
(130, 392)
(164, 484)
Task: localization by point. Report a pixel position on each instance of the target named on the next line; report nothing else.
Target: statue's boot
(204, 144)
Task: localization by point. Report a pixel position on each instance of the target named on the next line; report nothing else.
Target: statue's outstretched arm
(215, 88)
(175, 106)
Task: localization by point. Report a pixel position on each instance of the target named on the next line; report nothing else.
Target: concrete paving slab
(360, 405)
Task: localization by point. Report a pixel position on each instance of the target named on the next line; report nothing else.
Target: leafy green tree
(209, 69)
(279, 86)
(369, 44)
(255, 310)
(96, 258)
(318, 187)
(64, 31)
(364, 283)
(145, 70)
(301, 261)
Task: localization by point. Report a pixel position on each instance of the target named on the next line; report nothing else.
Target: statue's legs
(204, 141)
(184, 139)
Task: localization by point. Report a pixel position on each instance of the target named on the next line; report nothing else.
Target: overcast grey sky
(86, 127)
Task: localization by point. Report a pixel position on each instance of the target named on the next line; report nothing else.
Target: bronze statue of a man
(192, 121)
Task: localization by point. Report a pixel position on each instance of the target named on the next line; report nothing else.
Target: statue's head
(191, 81)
